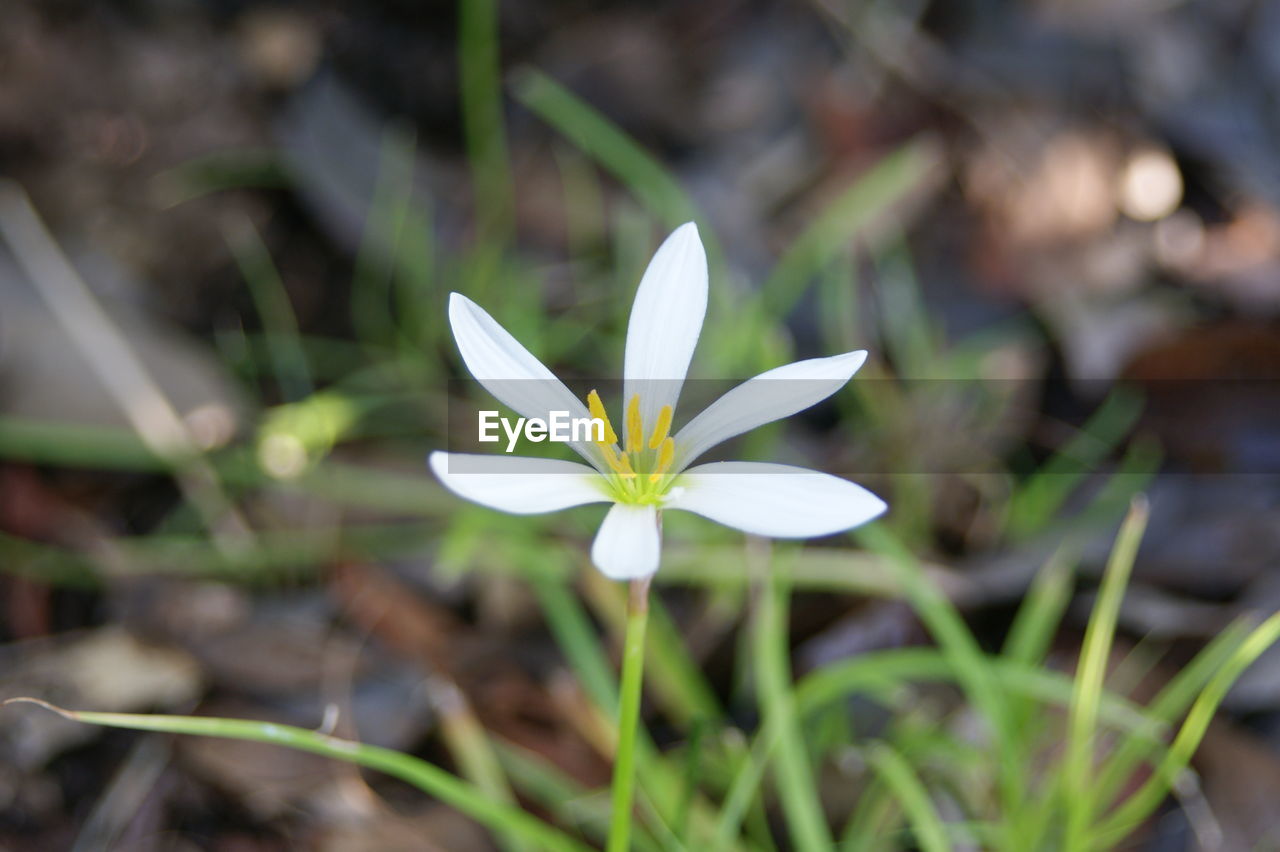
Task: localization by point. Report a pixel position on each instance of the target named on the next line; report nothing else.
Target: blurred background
(227, 235)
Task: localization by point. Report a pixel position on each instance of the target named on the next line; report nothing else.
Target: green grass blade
(838, 307)
(77, 445)
(866, 828)
(567, 800)
(271, 300)
(696, 697)
(472, 750)
(1044, 493)
(1132, 475)
(825, 569)
(382, 245)
(1082, 740)
(910, 336)
(1165, 709)
(613, 149)
(883, 673)
(881, 187)
(1041, 611)
(430, 779)
(482, 121)
(796, 788)
(1033, 629)
(745, 787)
(974, 670)
(930, 833)
(578, 640)
(236, 168)
(1142, 803)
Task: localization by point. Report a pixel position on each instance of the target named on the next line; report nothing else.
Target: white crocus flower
(645, 470)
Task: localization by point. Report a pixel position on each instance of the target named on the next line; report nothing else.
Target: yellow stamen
(635, 432)
(666, 456)
(620, 463)
(661, 428)
(597, 411)
(627, 470)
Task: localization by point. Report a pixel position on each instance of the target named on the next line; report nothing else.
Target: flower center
(640, 471)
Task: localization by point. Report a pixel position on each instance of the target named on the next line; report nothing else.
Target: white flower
(644, 470)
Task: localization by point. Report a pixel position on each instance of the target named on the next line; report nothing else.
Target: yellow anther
(635, 432)
(625, 464)
(666, 455)
(597, 411)
(620, 463)
(661, 428)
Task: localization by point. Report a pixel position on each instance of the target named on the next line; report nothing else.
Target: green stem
(628, 715)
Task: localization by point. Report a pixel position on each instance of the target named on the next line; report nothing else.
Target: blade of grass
(884, 672)
(331, 361)
(1134, 473)
(617, 152)
(974, 671)
(838, 302)
(1142, 803)
(1078, 760)
(886, 184)
(1033, 629)
(482, 121)
(868, 824)
(898, 775)
(745, 787)
(568, 801)
(757, 830)
(430, 779)
(1044, 493)
(76, 445)
(1170, 703)
(421, 324)
(469, 744)
(691, 772)
(910, 337)
(118, 366)
(578, 640)
(382, 243)
(271, 300)
(1041, 611)
(584, 205)
(796, 788)
(234, 169)
(815, 569)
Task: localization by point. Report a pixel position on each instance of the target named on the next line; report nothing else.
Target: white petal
(518, 484)
(666, 319)
(770, 396)
(509, 371)
(627, 545)
(775, 500)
